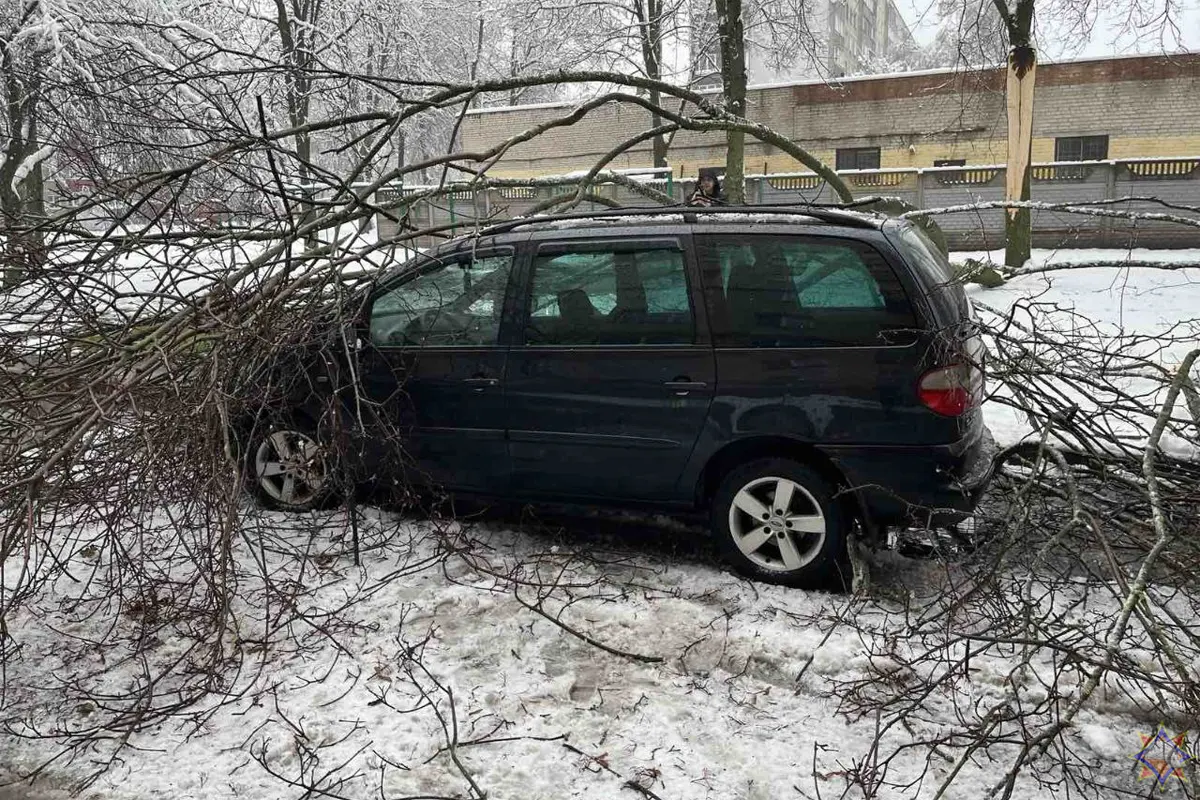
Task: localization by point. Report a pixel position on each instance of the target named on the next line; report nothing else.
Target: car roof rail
(832, 214)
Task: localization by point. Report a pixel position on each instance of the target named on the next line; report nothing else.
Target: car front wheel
(288, 469)
(776, 520)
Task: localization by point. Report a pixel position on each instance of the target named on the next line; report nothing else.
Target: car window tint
(453, 304)
(606, 297)
(945, 291)
(837, 278)
(590, 273)
(778, 291)
(666, 290)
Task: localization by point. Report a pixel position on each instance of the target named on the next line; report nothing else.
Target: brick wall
(1146, 105)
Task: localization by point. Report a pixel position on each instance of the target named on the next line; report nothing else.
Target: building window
(857, 158)
(950, 162)
(1081, 148)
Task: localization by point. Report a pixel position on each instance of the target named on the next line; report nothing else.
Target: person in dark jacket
(708, 192)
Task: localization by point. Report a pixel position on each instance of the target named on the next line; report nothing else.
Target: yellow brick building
(1137, 107)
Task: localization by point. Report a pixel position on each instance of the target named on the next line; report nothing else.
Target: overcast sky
(1109, 37)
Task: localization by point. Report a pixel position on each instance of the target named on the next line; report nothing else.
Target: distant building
(848, 37)
(1091, 110)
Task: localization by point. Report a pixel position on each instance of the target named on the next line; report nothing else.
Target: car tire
(287, 468)
(804, 546)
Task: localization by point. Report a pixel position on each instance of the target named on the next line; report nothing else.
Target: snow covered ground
(1133, 301)
(741, 700)
(1040, 258)
(116, 282)
(743, 704)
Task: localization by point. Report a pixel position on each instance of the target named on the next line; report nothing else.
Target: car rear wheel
(776, 520)
(288, 469)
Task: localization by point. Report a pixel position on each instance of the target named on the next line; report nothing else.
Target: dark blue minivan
(792, 372)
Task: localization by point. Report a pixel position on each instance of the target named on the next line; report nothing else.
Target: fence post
(921, 174)
(1110, 193)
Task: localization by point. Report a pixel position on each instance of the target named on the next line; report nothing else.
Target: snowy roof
(710, 91)
(678, 216)
(550, 223)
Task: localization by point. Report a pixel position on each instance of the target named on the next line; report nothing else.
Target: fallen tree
(134, 360)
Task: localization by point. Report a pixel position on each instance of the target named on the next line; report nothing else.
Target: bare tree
(970, 34)
(975, 33)
(26, 55)
(651, 17)
(145, 370)
(779, 27)
(732, 37)
(1021, 73)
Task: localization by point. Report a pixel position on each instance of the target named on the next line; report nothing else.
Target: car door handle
(479, 383)
(682, 386)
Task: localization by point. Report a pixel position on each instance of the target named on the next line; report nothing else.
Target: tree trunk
(1022, 72)
(22, 202)
(293, 27)
(1018, 226)
(649, 20)
(11, 277)
(733, 84)
(23, 250)
(10, 252)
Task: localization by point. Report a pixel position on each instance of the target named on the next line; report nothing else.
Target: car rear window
(945, 291)
(800, 291)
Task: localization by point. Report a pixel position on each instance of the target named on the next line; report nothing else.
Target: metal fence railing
(1150, 182)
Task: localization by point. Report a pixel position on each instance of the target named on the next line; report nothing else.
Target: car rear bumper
(933, 485)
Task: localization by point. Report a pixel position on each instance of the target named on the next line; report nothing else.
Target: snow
(197, 32)
(1102, 741)
(949, 71)
(592, 221)
(1040, 258)
(725, 714)
(471, 112)
(1124, 301)
(113, 282)
(28, 164)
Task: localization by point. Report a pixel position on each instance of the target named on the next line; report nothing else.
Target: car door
(610, 380)
(433, 369)
(815, 339)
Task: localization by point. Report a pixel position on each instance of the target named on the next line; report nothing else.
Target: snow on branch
(29, 163)
(1081, 208)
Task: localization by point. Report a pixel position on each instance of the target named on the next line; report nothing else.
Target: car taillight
(948, 390)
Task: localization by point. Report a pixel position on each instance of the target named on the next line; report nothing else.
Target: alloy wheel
(777, 524)
(290, 467)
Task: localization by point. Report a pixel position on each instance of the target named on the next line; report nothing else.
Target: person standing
(708, 192)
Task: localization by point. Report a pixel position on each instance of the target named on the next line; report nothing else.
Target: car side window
(456, 303)
(621, 296)
(780, 291)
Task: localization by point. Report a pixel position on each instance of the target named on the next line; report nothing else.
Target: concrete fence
(1174, 181)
